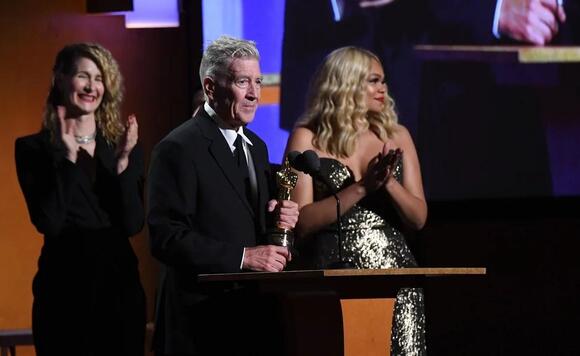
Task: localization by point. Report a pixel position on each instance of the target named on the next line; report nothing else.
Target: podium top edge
(419, 271)
(517, 54)
(305, 274)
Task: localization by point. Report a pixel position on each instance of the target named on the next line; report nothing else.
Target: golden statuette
(286, 180)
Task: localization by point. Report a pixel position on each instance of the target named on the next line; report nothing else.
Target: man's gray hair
(219, 54)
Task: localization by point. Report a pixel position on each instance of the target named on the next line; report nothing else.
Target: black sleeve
(47, 180)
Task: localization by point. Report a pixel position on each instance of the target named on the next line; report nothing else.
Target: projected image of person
(82, 178)
(351, 124)
(436, 98)
(391, 28)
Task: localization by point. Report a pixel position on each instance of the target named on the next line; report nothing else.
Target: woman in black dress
(82, 177)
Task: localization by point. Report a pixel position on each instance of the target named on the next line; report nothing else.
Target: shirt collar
(229, 134)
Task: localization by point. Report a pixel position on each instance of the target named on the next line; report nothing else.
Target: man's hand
(267, 258)
(287, 211)
(532, 21)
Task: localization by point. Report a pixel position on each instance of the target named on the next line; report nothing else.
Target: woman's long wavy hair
(107, 115)
(337, 106)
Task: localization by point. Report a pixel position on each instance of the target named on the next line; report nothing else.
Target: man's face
(235, 97)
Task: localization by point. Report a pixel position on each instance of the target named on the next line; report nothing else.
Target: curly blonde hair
(337, 108)
(107, 115)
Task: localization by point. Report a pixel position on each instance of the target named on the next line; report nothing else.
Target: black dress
(88, 298)
(371, 239)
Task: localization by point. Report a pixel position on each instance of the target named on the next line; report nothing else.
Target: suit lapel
(223, 156)
(263, 193)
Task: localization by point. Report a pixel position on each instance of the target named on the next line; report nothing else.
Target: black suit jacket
(199, 222)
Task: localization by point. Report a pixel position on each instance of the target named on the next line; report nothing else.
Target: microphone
(311, 162)
(292, 157)
(308, 162)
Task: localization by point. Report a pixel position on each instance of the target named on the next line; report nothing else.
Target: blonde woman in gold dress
(351, 124)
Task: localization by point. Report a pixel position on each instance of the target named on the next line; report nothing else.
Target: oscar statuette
(286, 180)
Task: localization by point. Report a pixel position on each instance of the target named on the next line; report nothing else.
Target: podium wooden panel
(339, 312)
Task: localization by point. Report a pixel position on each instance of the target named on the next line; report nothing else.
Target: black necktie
(240, 157)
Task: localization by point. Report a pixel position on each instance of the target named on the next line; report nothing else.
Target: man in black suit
(209, 187)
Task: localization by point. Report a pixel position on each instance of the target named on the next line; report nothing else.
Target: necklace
(83, 140)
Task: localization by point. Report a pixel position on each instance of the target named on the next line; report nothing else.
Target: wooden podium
(338, 312)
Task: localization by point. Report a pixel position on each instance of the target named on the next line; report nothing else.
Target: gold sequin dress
(371, 240)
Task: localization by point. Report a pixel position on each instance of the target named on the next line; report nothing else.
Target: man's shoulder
(185, 133)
